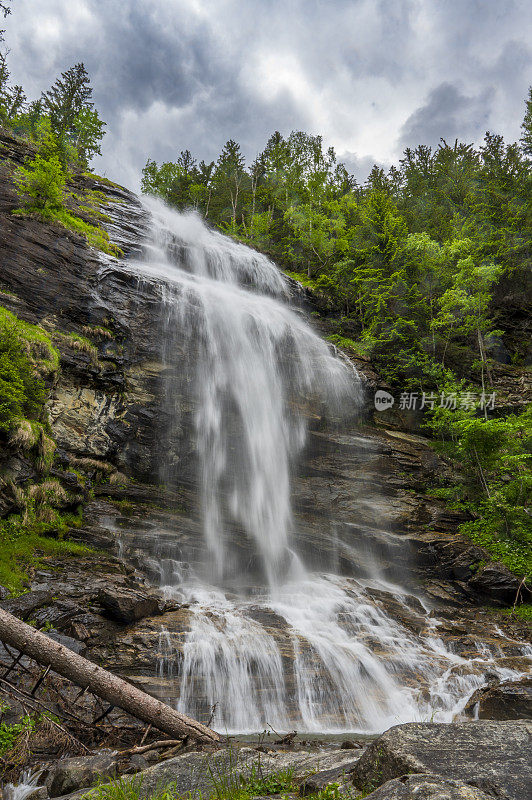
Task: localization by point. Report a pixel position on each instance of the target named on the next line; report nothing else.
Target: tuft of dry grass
(98, 331)
(118, 478)
(49, 491)
(23, 436)
(92, 465)
(45, 452)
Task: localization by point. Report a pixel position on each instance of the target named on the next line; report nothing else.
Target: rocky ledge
(472, 761)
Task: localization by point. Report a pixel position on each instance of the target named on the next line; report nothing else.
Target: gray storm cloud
(372, 77)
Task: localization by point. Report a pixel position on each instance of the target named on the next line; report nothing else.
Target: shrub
(42, 182)
(27, 358)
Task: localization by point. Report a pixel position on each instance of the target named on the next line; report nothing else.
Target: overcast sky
(372, 76)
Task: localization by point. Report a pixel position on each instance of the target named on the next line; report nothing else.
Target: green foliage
(526, 138)
(27, 360)
(41, 183)
(41, 186)
(9, 734)
(227, 786)
(495, 456)
(277, 783)
(523, 611)
(26, 538)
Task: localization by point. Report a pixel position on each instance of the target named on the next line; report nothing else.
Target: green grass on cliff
(41, 186)
(27, 360)
(25, 543)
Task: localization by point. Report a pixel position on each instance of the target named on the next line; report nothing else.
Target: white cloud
(366, 74)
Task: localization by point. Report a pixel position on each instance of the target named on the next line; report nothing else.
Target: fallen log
(99, 681)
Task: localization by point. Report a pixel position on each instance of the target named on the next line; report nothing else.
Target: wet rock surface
(490, 754)
(201, 773)
(511, 700)
(432, 787)
(128, 605)
(70, 774)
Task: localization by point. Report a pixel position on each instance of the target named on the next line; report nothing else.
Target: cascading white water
(254, 362)
(269, 642)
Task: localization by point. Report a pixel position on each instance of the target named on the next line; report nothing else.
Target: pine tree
(68, 97)
(229, 177)
(526, 127)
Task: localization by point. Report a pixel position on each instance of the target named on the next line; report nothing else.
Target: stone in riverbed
(315, 783)
(511, 700)
(200, 774)
(480, 753)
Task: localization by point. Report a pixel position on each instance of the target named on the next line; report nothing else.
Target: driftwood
(166, 743)
(99, 681)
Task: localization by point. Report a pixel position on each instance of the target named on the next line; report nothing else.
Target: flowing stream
(267, 638)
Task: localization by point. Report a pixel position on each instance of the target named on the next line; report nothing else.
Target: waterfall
(271, 639)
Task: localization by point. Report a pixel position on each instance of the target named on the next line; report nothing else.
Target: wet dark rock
(24, 605)
(315, 783)
(496, 752)
(430, 787)
(128, 605)
(70, 774)
(58, 614)
(511, 700)
(496, 581)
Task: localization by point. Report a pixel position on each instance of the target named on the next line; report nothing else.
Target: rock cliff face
(105, 403)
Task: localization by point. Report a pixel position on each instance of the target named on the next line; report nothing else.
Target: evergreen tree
(229, 179)
(69, 96)
(526, 127)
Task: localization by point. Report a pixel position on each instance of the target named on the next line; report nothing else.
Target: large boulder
(495, 581)
(511, 700)
(203, 774)
(494, 754)
(429, 787)
(70, 774)
(128, 605)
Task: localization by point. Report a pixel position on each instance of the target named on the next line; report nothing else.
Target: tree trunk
(99, 681)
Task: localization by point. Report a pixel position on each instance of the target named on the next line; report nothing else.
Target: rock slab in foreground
(70, 774)
(205, 774)
(431, 787)
(495, 755)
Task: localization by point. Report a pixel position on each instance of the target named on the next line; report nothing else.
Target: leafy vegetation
(408, 268)
(41, 186)
(66, 131)
(9, 734)
(227, 785)
(39, 530)
(27, 361)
